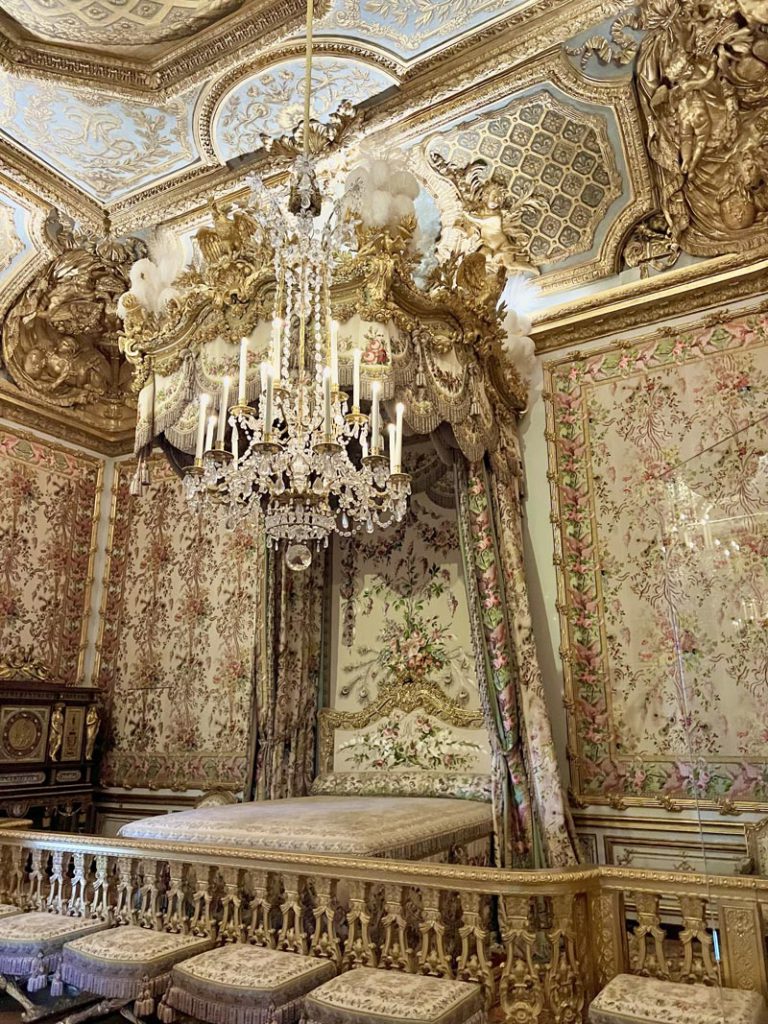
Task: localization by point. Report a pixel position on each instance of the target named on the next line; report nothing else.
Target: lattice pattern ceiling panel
(123, 22)
(562, 150)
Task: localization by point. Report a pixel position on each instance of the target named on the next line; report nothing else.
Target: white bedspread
(408, 828)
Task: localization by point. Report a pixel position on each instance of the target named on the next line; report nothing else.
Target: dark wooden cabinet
(47, 744)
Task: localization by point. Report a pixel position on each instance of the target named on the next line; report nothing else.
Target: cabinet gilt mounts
(48, 736)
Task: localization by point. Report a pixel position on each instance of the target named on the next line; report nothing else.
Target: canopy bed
(433, 349)
(403, 813)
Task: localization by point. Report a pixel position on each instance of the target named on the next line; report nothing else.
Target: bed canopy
(435, 341)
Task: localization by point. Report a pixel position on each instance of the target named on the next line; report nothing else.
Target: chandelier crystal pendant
(306, 456)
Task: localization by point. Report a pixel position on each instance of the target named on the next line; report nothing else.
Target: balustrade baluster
(432, 957)
(395, 952)
(563, 983)
(521, 988)
(56, 901)
(325, 941)
(646, 947)
(359, 949)
(176, 917)
(474, 958)
(78, 896)
(292, 938)
(128, 888)
(698, 963)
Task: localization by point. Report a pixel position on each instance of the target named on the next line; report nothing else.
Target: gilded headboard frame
(404, 696)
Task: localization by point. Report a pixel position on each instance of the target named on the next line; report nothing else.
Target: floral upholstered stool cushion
(8, 910)
(31, 943)
(631, 1000)
(242, 984)
(369, 996)
(128, 963)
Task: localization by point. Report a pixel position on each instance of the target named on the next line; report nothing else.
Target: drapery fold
(287, 712)
(533, 823)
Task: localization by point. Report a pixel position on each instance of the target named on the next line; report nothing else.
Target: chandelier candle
(335, 354)
(392, 450)
(209, 434)
(399, 410)
(357, 356)
(204, 400)
(327, 421)
(375, 424)
(241, 396)
(223, 409)
(268, 412)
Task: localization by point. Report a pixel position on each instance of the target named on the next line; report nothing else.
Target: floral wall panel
(658, 450)
(49, 498)
(181, 623)
(401, 618)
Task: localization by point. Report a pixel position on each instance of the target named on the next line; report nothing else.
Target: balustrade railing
(541, 943)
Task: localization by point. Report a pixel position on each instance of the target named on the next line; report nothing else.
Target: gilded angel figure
(493, 213)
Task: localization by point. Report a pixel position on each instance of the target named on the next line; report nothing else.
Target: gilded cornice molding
(686, 290)
(76, 426)
(185, 63)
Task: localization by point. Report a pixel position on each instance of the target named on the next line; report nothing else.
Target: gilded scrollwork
(702, 77)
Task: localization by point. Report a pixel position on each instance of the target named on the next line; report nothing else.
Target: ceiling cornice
(182, 64)
(674, 293)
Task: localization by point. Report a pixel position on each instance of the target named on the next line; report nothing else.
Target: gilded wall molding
(675, 293)
(47, 186)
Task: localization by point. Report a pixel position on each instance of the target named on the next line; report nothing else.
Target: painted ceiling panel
(106, 146)
(125, 22)
(411, 27)
(271, 102)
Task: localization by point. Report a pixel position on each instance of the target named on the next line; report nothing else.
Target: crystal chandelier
(306, 456)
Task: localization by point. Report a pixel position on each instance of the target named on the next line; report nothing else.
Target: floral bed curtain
(533, 826)
(287, 706)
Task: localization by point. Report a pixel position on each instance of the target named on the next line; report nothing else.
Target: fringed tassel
(57, 985)
(145, 1004)
(38, 979)
(135, 488)
(166, 1013)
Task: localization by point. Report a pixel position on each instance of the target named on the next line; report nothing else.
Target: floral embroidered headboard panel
(412, 741)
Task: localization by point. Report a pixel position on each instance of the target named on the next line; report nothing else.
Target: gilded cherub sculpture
(493, 214)
(56, 732)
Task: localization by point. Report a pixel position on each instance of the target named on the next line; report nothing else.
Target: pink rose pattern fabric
(663, 619)
(181, 640)
(49, 510)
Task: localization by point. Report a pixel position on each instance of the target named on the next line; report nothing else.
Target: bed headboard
(412, 740)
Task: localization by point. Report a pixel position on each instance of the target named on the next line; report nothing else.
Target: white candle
(335, 353)
(268, 414)
(399, 410)
(241, 396)
(209, 434)
(277, 330)
(356, 356)
(392, 448)
(375, 425)
(223, 411)
(204, 400)
(327, 402)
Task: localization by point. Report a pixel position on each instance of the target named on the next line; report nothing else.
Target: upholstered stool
(368, 996)
(128, 964)
(8, 910)
(31, 944)
(628, 999)
(243, 984)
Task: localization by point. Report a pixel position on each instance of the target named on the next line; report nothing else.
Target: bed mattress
(405, 828)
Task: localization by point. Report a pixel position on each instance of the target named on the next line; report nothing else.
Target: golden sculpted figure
(60, 338)
(56, 732)
(92, 723)
(702, 75)
(492, 218)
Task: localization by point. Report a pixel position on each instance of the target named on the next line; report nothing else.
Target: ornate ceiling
(142, 110)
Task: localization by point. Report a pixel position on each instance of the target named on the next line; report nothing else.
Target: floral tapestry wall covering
(658, 455)
(181, 631)
(49, 497)
(401, 610)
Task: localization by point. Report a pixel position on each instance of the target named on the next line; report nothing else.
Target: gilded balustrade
(541, 943)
